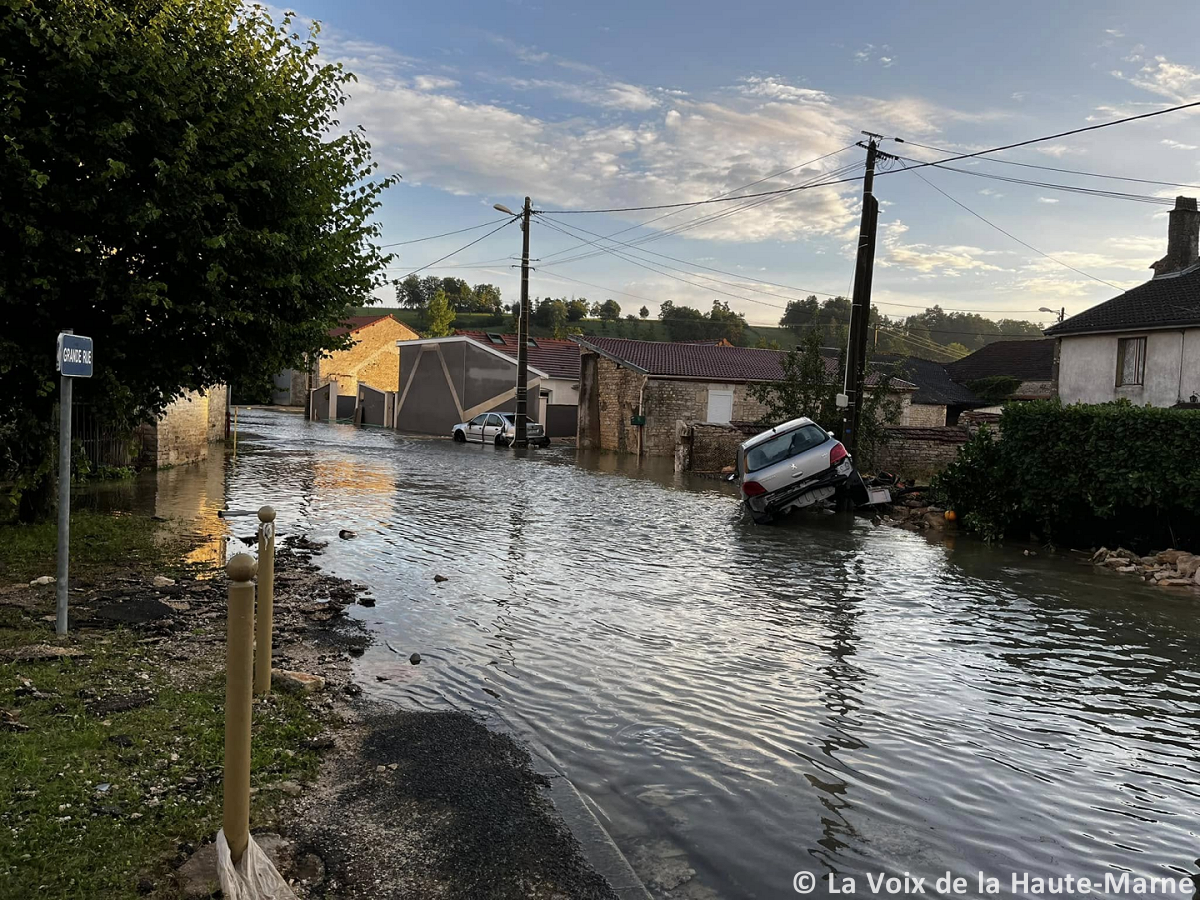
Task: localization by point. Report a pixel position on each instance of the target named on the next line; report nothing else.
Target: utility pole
(860, 310)
(522, 435)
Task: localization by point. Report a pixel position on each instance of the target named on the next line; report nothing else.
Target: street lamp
(500, 207)
(1061, 313)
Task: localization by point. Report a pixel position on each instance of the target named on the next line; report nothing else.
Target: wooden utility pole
(522, 435)
(860, 310)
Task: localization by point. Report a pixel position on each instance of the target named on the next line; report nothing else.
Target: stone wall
(917, 453)
(374, 359)
(713, 447)
(186, 428)
(620, 391)
(923, 415)
(669, 402)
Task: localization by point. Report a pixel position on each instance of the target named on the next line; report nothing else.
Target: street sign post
(74, 358)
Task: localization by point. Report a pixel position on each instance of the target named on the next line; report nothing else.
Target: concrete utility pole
(522, 436)
(860, 310)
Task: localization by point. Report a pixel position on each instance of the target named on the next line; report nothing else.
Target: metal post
(266, 601)
(860, 310)
(522, 436)
(64, 502)
(238, 675)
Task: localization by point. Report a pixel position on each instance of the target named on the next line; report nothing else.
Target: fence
(101, 442)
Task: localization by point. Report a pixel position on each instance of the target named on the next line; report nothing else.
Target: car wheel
(459, 437)
(501, 442)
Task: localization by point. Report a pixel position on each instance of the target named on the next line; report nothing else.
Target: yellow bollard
(266, 601)
(238, 672)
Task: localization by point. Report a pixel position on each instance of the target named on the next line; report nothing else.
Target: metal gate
(372, 406)
(102, 443)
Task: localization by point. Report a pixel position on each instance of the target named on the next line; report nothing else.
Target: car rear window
(784, 446)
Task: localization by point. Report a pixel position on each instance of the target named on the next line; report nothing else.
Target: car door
(475, 428)
(493, 427)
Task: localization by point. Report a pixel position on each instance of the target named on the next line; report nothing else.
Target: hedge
(1108, 473)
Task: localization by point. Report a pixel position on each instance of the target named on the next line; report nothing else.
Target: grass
(65, 835)
(98, 541)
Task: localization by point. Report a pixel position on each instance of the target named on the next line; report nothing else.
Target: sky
(597, 106)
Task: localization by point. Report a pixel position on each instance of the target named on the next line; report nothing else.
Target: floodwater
(747, 703)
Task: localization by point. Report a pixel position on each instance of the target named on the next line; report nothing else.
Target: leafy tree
(609, 310)
(459, 294)
(487, 299)
(684, 323)
(178, 187)
(726, 323)
(957, 350)
(644, 313)
(810, 388)
(439, 316)
(577, 309)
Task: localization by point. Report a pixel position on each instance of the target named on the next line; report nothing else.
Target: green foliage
(994, 389)
(415, 293)
(809, 388)
(577, 309)
(1106, 473)
(683, 323)
(644, 312)
(439, 316)
(609, 310)
(177, 186)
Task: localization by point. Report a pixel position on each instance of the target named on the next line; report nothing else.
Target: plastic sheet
(253, 878)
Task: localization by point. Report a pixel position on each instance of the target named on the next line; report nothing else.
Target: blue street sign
(74, 355)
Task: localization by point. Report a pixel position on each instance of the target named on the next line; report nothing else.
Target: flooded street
(751, 702)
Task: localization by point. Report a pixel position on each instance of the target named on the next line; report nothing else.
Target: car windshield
(510, 418)
(784, 446)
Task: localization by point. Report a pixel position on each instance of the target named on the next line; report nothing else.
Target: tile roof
(1169, 301)
(557, 358)
(935, 387)
(354, 323)
(1028, 360)
(711, 362)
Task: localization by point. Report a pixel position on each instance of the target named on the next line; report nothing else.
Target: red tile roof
(354, 323)
(711, 362)
(557, 358)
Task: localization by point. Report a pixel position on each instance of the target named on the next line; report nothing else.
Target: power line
(504, 224)
(1025, 165)
(434, 237)
(1013, 236)
(1061, 134)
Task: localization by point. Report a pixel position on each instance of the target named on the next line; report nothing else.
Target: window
(495, 420)
(495, 338)
(720, 406)
(1131, 361)
(479, 420)
(784, 446)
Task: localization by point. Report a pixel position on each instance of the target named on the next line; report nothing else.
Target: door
(492, 427)
(475, 428)
(720, 406)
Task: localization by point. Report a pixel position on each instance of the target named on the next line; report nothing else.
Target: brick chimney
(1183, 238)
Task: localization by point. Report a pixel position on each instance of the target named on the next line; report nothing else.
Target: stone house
(373, 359)
(1143, 345)
(185, 430)
(634, 396)
(938, 400)
(1030, 361)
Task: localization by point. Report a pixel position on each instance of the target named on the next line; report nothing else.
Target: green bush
(1109, 473)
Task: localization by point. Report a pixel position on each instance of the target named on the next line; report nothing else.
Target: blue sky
(628, 104)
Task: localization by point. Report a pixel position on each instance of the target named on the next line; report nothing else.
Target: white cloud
(988, 192)
(1058, 151)
(1176, 81)
(1177, 145)
(433, 83)
(1114, 32)
(1047, 200)
(947, 261)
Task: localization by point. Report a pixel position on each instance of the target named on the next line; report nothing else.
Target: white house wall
(1087, 369)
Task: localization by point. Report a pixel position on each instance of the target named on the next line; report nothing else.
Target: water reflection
(746, 701)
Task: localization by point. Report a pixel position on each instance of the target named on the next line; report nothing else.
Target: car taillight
(753, 489)
(837, 454)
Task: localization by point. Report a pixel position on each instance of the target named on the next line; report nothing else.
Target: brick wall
(917, 453)
(374, 359)
(923, 415)
(185, 429)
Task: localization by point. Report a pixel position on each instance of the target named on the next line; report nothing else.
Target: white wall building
(1143, 345)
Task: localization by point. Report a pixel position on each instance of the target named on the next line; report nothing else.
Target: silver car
(499, 429)
(791, 466)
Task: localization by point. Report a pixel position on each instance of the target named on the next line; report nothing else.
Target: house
(1029, 361)
(661, 384)
(559, 389)
(1143, 345)
(444, 381)
(938, 399)
(184, 430)
(371, 360)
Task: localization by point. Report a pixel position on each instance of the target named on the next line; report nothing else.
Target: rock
(1127, 569)
(1126, 555)
(415, 659)
(1169, 557)
(1100, 555)
(297, 682)
(352, 690)
(198, 876)
(345, 534)
(440, 578)
(381, 678)
(1175, 582)
(1116, 562)
(1187, 565)
(38, 653)
(934, 519)
(366, 601)
(1196, 577)
(381, 768)
(45, 579)
(291, 788)
(309, 869)
(1031, 553)
(161, 581)
(1148, 561)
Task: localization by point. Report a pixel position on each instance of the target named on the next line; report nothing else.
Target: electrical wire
(1025, 165)
(1013, 236)
(433, 237)
(504, 224)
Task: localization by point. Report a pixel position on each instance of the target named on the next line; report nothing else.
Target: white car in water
(791, 466)
(499, 429)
